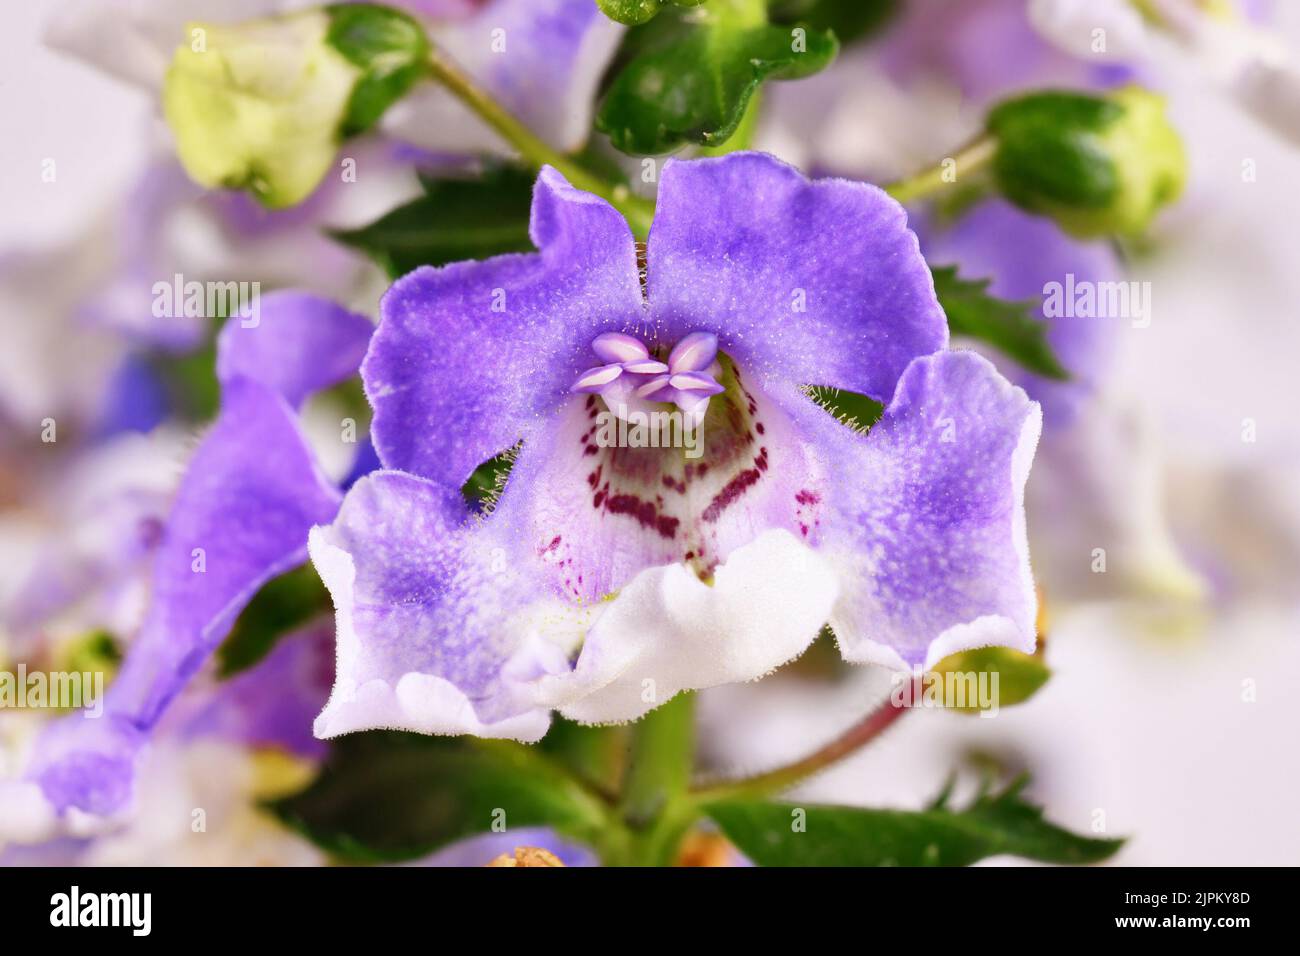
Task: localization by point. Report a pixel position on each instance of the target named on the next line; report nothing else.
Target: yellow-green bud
(264, 104)
(1098, 165)
(259, 105)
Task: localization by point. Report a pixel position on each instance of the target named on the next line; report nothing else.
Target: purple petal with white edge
(926, 524)
(595, 379)
(541, 59)
(294, 343)
(619, 347)
(694, 353)
(811, 282)
(1027, 257)
(468, 357)
(435, 624)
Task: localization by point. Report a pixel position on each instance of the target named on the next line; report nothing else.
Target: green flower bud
(1098, 165)
(263, 105)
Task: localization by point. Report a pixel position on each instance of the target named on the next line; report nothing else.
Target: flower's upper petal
(1024, 255)
(430, 616)
(295, 343)
(668, 631)
(467, 356)
(810, 282)
(927, 523)
(541, 59)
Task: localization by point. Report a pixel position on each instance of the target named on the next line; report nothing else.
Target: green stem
(534, 150)
(968, 160)
(654, 805)
(783, 778)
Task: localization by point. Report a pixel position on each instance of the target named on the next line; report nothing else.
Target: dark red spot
(758, 427)
(806, 497)
(645, 513)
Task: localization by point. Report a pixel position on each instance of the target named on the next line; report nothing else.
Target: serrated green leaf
(778, 834)
(483, 486)
(1019, 676)
(856, 411)
(1006, 326)
(691, 84)
(280, 606)
(455, 219)
(389, 796)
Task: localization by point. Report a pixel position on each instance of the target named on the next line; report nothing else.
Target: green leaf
(1007, 326)
(636, 12)
(691, 82)
(483, 486)
(849, 20)
(279, 607)
(1019, 675)
(856, 411)
(389, 46)
(455, 219)
(388, 796)
(1004, 823)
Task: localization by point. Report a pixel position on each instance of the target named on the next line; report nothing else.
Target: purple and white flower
(241, 515)
(605, 580)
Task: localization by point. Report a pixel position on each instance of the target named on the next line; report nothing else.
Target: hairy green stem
(968, 160)
(533, 149)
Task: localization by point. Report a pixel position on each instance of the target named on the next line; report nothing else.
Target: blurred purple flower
(251, 492)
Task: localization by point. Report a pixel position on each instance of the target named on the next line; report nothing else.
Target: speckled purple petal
(425, 601)
(468, 356)
(810, 282)
(925, 516)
